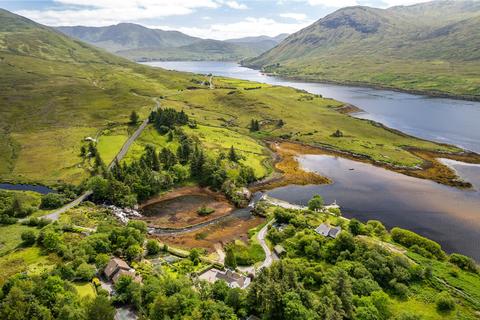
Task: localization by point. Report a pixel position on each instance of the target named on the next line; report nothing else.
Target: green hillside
(430, 47)
(55, 92)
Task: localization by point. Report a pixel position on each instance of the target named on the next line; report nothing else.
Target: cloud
(235, 5)
(348, 3)
(107, 12)
(294, 16)
(247, 27)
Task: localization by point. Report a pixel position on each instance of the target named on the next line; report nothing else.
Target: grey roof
(279, 249)
(114, 266)
(323, 229)
(328, 231)
(334, 232)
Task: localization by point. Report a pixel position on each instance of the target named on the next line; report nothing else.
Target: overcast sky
(214, 19)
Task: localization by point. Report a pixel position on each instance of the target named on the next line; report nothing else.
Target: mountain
(276, 39)
(430, 47)
(136, 42)
(55, 91)
(213, 50)
(125, 36)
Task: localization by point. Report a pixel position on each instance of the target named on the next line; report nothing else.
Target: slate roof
(114, 266)
(328, 231)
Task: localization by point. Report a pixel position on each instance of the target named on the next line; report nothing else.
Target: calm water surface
(447, 215)
(26, 187)
(443, 120)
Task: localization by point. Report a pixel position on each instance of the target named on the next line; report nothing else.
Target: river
(444, 214)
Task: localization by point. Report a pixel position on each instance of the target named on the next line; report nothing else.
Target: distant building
(328, 231)
(279, 250)
(117, 268)
(233, 279)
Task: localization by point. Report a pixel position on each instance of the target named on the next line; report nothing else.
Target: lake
(449, 216)
(443, 120)
(444, 214)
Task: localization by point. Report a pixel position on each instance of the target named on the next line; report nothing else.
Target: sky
(213, 19)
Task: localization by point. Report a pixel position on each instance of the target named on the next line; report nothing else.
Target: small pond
(26, 187)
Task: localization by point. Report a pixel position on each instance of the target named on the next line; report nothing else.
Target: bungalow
(279, 250)
(328, 231)
(117, 268)
(233, 279)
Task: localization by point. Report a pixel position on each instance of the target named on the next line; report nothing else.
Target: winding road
(269, 255)
(55, 215)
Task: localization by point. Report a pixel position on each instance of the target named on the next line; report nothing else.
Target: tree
(134, 117)
(167, 158)
(232, 155)
(134, 252)
(254, 125)
(153, 247)
(92, 150)
(83, 152)
(28, 237)
(316, 203)
(194, 256)
(85, 272)
(230, 259)
(337, 134)
(445, 302)
(100, 308)
(52, 200)
(355, 227)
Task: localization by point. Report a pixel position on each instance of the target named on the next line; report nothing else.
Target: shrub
(28, 237)
(409, 239)
(52, 201)
(6, 219)
(204, 211)
(445, 302)
(463, 262)
(153, 247)
(85, 271)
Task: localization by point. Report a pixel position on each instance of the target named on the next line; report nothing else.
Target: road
(269, 256)
(55, 215)
(123, 151)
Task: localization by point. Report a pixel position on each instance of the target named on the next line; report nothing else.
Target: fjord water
(443, 120)
(444, 214)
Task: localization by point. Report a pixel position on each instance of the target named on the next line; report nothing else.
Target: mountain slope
(55, 91)
(431, 47)
(125, 36)
(136, 42)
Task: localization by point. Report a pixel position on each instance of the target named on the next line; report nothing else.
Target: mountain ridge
(379, 47)
(136, 42)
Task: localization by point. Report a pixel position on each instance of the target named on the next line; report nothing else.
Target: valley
(212, 191)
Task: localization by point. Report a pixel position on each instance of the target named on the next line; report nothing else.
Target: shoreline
(432, 94)
(432, 169)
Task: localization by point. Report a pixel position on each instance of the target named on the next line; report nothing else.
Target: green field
(85, 290)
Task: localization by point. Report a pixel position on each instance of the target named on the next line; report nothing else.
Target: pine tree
(133, 117)
(232, 155)
(230, 259)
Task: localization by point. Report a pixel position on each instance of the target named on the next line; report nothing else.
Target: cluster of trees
(254, 125)
(47, 296)
(166, 119)
(417, 243)
(12, 207)
(354, 285)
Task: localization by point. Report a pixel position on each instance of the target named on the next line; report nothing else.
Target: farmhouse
(328, 231)
(117, 268)
(233, 279)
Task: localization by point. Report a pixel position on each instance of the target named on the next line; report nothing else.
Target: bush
(85, 271)
(409, 239)
(204, 211)
(28, 237)
(6, 219)
(52, 201)
(153, 247)
(445, 302)
(463, 262)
